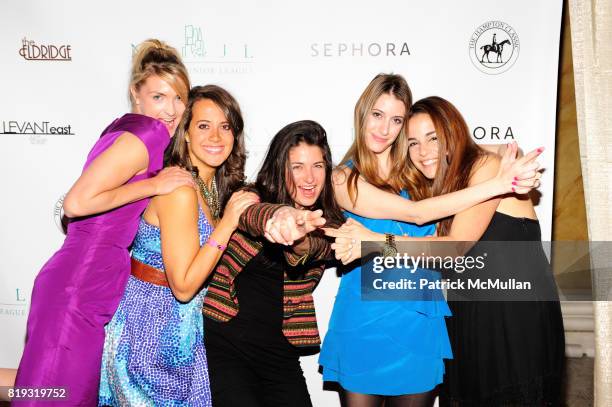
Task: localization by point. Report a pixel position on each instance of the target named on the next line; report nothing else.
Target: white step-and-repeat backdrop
(64, 69)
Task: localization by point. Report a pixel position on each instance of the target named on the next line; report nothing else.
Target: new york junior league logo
(494, 47)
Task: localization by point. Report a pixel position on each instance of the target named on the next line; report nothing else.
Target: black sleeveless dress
(507, 350)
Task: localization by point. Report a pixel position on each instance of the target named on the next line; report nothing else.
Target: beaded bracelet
(213, 243)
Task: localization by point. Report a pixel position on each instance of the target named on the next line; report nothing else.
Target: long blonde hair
(154, 57)
(364, 161)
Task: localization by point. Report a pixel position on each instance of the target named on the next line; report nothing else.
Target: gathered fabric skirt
(506, 354)
(385, 347)
(154, 350)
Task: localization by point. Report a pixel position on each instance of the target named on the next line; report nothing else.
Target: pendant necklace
(211, 196)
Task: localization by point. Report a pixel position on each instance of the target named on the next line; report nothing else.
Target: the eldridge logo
(33, 52)
(494, 47)
(36, 130)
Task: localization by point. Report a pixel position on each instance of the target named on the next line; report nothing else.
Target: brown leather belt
(148, 274)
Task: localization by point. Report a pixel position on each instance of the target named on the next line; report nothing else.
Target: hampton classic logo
(494, 47)
(34, 52)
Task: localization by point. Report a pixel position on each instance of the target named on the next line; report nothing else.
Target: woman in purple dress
(78, 289)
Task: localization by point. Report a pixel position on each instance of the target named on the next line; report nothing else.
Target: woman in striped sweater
(259, 309)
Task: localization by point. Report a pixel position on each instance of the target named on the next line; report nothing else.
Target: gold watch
(389, 248)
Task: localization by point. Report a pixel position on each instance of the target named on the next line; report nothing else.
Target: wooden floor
(578, 386)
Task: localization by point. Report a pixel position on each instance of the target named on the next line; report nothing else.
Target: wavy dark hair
(271, 180)
(230, 175)
(458, 154)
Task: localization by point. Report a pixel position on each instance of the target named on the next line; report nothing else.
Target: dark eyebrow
(426, 134)
(381, 111)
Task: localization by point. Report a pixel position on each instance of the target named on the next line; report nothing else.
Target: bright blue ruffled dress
(386, 347)
(154, 348)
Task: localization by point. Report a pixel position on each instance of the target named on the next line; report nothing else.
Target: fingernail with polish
(513, 183)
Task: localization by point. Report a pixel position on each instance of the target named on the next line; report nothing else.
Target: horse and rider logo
(494, 47)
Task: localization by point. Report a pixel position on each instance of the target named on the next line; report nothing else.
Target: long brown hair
(457, 154)
(271, 180)
(230, 175)
(363, 160)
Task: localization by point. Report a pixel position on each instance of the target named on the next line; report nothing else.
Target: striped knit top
(299, 319)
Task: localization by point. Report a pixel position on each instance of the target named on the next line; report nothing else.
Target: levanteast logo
(34, 52)
(359, 49)
(37, 131)
(494, 47)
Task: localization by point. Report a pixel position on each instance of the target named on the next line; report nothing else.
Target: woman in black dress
(508, 345)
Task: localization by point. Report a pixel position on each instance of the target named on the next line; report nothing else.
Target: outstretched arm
(289, 226)
(467, 226)
(102, 186)
(374, 203)
(187, 264)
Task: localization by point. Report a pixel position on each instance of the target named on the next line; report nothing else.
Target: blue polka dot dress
(154, 347)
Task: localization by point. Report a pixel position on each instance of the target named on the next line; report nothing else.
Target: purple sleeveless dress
(78, 290)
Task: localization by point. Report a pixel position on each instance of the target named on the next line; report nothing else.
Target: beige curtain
(591, 27)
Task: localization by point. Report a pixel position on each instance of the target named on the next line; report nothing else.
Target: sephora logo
(359, 49)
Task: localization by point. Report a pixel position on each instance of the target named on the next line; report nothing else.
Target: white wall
(282, 60)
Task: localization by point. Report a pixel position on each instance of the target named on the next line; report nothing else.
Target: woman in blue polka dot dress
(154, 351)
